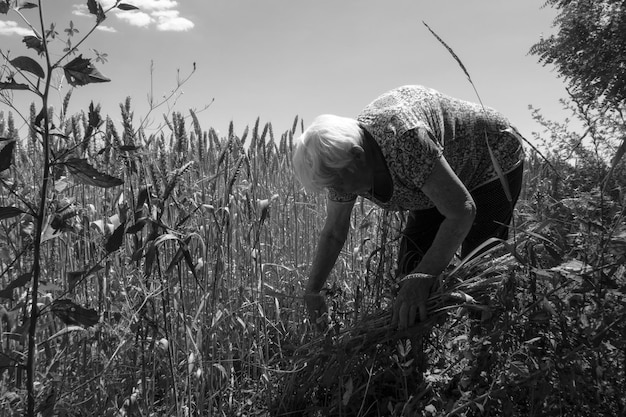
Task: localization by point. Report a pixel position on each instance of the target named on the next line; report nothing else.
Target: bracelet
(417, 275)
(313, 294)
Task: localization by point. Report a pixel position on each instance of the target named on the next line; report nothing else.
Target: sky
(278, 59)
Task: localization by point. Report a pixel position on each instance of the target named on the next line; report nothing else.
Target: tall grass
(200, 309)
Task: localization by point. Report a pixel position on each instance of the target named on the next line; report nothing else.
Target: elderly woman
(412, 149)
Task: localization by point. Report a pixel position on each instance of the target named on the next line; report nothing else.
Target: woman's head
(325, 147)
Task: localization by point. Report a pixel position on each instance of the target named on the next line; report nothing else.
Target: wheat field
(178, 291)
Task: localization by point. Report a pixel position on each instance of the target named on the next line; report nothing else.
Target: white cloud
(169, 20)
(161, 13)
(10, 27)
(136, 18)
(80, 10)
(107, 3)
(109, 29)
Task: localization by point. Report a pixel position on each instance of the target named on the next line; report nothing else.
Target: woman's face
(353, 178)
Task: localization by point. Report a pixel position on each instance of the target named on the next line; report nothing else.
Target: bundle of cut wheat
(345, 371)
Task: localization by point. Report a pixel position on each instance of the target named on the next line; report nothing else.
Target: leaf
(114, 242)
(222, 370)
(178, 256)
(6, 156)
(165, 237)
(28, 64)
(95, 120)
(71, 31)
(64, 331)
(20, 281)
(71, 313)
(61, 185)
(80, 71)
(142, 197)
(9, 212)
(498, 168)
(7, 362)
(573, 266)
(27, 5)
(619, 154)
(125, 6)
(102, 226)
(12, 85)
(73, 278)
(87, 174)
(182, 253)
(150, 256)
(137, 227)
(49, 231)
(190, 264)
(95, 8)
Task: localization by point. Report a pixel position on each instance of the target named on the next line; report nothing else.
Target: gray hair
(324, 147)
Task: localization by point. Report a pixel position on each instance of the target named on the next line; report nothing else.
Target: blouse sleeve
(418, 151)
(334, 195)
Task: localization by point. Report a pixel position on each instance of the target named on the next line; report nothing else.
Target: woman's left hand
(411, 299)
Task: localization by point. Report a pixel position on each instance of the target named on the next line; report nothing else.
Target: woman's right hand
(332, 238)
(409, 307)
(317, 309)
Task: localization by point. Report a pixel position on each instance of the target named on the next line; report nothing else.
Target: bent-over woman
(421, 151)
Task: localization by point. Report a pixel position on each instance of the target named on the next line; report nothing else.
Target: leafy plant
(587, 52)
(25, 74)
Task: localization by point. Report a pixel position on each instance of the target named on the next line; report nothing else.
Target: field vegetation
(162, 274)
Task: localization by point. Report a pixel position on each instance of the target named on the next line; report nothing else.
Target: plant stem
(36, 270)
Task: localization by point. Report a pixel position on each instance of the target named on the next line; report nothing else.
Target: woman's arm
(331, 240)
(330, 243)
(455, 203)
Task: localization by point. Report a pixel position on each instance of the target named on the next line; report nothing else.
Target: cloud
(80, 10)
(109, 29)
(10, 27)
(136, 18)
(169, 20)
(163, 14)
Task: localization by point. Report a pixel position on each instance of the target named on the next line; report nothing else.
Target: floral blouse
(414, 126)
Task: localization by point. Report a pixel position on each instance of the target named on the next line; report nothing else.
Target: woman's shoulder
(393, 126)
(403, 108)
(403, 96)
